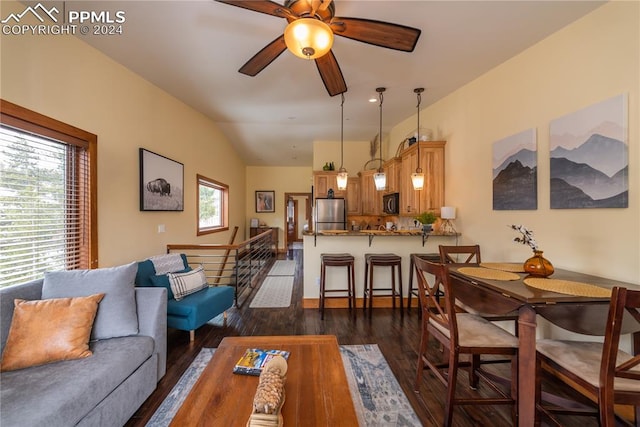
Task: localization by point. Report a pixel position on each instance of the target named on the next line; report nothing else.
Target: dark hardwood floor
(397, 334)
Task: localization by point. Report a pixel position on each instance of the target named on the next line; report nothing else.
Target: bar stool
(433, 257)
(337, 260)
(382, 260)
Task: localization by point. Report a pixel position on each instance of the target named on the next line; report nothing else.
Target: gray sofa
(104, 389)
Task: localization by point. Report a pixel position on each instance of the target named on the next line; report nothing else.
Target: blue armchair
(192, 311)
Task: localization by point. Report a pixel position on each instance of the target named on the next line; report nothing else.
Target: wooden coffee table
(316, 388)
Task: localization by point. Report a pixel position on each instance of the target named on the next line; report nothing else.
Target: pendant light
(343, 175)
(417, 178)
(380, 178)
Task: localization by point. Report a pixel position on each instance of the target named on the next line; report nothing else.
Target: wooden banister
(236, 265)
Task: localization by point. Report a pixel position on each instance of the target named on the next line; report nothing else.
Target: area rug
(169, 407)
(283, 268)
(275, 292)
(377, 396)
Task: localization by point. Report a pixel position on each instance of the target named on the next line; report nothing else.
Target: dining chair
(460, 334)
(599, 369)
(470, 254)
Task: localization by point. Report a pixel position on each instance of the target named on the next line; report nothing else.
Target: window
(213, 206)
(48, 212)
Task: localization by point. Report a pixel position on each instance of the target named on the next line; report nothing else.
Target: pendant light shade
(342, 179)
(343, 175)
(379, 178)
(417, 178)
(308, 38)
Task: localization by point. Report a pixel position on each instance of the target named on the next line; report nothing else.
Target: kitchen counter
(402, 242)
(382, 233)
(342, 233)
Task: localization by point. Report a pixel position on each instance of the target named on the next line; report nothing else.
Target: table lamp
(447, 213)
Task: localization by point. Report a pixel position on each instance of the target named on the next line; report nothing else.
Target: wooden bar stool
(337, 260)
(413, 291)
(382, 260)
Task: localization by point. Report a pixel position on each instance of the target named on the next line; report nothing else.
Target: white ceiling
(193, 49)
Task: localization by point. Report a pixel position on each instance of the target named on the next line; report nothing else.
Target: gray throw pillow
(117, 314)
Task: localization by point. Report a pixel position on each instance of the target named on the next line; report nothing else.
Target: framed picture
(589, 157)
(265, 201)
(515, 172)
(161, 183)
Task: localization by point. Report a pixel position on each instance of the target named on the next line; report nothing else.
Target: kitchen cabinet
(354, 201)
(431, 197)
(323, 181)
(392, 169)
(371, 199)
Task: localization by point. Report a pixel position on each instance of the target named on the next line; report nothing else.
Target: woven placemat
(567, 287)
(504, 266)
(487, 273)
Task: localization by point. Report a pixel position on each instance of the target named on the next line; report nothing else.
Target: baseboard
(378, 302)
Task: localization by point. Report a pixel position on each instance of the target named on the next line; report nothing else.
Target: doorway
(297, 217)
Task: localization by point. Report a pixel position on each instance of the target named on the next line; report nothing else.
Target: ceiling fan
(321, 13)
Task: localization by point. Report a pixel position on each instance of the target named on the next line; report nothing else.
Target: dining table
(573, 301)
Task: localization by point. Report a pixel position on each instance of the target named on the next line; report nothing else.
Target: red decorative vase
(538, 265)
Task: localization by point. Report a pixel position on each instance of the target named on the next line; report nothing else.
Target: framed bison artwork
(161, 183)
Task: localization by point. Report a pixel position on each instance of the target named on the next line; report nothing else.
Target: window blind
(44, 205)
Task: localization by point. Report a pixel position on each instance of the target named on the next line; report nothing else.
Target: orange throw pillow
(50, 330)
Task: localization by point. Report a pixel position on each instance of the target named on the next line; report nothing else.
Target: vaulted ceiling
(193, 50)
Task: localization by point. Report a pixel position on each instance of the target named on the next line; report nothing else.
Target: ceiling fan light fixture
(308, 38)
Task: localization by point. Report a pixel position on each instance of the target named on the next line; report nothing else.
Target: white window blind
(44, 205)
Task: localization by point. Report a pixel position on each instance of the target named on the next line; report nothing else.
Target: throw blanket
(169, 263)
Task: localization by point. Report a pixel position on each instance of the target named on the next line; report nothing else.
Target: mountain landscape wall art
(589, 163)
(515, 172)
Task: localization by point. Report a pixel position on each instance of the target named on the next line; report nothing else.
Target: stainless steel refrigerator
(330, 214)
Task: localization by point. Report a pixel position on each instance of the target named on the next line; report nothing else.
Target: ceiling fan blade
(262, 6)
(331, 75)
(265, 57)
(384, 34)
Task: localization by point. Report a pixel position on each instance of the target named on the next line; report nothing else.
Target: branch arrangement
(527, 236)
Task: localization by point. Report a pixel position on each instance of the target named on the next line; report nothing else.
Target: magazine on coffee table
(254, 359)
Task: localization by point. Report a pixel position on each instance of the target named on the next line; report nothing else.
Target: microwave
(391, 203)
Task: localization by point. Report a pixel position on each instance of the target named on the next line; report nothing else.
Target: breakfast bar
(358, 243)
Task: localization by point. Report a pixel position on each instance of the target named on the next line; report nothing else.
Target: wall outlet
(317, 281)
(161, 228)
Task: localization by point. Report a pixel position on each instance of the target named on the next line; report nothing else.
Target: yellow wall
(64, 78)
(281, 180)
(589, 61)
(356, 154)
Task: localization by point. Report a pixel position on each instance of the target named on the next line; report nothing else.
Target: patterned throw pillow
(162, 280)
(183, 284)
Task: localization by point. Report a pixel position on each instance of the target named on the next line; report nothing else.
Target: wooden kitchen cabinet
(354, 201)
(392, 169)
(323, 181)
(371, 199)
(431, 197)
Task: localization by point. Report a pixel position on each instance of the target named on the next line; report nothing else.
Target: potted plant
(426, 219)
